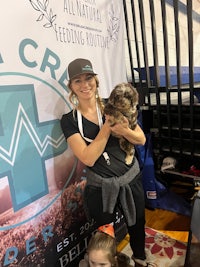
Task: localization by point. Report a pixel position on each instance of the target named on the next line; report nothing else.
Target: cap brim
(92, 73)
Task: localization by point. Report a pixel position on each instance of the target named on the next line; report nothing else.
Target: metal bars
(157, 60)
(191, 71)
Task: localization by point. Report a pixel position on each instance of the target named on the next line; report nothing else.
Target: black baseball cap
(79, 66)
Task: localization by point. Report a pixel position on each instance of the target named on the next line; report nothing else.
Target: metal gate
(168, 71)
(163, 63)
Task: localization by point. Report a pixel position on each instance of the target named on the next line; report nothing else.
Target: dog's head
(124, 97)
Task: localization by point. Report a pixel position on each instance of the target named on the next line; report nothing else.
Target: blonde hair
(102, 241)
(99, 99)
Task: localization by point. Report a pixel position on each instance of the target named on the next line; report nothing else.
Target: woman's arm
(88, 154)
(136, 136)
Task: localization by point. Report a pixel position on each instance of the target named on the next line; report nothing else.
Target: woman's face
(98, 258)
(84, 86)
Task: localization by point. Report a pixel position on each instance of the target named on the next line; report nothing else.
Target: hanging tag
(106, 157)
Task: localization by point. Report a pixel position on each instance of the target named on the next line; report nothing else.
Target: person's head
(81, 77)
(102, 248)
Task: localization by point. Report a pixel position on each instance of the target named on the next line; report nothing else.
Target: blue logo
(25, 143)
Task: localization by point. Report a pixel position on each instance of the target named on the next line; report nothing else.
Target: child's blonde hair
(102, 241)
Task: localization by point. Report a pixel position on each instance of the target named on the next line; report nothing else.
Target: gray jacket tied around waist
(114, 187)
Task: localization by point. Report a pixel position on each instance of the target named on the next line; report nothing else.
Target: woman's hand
(121, 127)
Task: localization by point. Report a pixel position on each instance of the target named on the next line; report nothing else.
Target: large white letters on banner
(42, 221)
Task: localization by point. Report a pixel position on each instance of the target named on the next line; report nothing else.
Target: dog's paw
(129, 159)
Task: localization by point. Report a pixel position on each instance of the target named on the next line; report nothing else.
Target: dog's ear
(108, 109)
(114, 97)
(134, 98)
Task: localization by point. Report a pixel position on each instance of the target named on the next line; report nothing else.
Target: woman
(111, 183)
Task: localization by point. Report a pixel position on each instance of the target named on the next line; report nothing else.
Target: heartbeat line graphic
(23, 120)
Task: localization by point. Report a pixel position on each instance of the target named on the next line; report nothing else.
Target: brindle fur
(122, 103)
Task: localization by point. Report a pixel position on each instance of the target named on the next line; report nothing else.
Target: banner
(42, 222)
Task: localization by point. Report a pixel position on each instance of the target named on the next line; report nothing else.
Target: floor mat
(161, 250)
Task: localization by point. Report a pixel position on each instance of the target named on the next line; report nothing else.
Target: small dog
(123, 102)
